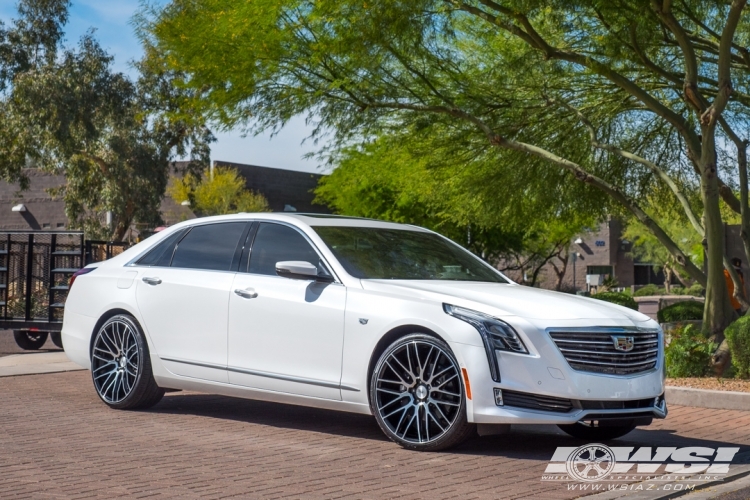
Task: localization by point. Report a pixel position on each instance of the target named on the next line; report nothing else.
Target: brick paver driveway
(57, 440)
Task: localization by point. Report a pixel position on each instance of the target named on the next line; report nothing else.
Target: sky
(111, 19)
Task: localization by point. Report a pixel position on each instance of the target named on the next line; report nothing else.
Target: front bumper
(546, 376)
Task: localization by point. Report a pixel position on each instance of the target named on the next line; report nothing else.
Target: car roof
(309, 219)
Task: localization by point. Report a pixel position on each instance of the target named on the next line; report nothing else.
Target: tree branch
(661, 174)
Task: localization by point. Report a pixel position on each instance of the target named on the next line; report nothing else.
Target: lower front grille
(615, 352)
(618, 405)
(536, 402)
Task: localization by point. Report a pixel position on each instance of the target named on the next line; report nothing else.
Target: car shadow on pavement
(279, 415)
(524, 441)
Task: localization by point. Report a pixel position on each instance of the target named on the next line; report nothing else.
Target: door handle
(246, 294)
(151, 281)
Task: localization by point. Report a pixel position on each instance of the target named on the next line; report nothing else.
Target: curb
(702, 398)
(36, 363)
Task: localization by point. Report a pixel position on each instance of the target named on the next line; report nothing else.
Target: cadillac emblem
(622, 343)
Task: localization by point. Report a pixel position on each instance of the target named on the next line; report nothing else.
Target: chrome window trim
(337, 280)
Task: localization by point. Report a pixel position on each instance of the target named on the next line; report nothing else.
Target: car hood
(510, 299)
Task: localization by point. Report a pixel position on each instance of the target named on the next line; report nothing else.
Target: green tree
(646, 248)
(66, 111)
(217, 193)
(623, 96)
(390, 178)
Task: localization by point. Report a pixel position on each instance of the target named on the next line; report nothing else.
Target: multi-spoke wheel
(417, 394)
(120, 365)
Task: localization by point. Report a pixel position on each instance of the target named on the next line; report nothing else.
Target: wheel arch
(387, 339)
(103, 319)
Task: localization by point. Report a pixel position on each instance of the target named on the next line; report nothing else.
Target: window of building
(60, 225)
(46, 225)
(646, 274)
(209, 247)
(276, 243)
(607, 270)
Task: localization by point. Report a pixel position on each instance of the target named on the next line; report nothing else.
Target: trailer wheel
(57, 339)
(30, 341)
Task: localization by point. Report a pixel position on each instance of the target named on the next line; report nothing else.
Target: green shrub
(650, 289)
(681, 311)
(696, 290)
(689, 353)
(617, 298)
(738, 339)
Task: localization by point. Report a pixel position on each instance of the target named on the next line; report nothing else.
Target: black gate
(35, 268)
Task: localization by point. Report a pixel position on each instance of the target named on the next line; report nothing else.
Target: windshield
(376, 253)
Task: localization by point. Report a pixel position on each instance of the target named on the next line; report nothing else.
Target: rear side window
(276, 243)
(210, 247)
(161, 254)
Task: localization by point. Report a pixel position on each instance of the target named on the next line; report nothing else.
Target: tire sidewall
(447, 437)
(142, 353)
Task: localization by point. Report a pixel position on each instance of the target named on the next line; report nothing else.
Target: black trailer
(35, 271)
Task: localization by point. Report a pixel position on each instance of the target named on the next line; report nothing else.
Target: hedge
(688, 353)
(681, 311)
(738, 339)
(618, 298)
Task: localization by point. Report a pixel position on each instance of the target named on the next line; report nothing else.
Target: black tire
(56, 339)
(121, 366)
(595, 434)
(433, 391)
(30, 341)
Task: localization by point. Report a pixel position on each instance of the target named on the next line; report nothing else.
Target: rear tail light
(78, 273)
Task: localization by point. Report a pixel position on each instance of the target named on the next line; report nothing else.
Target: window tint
(275, 243)
(377, 253)
(161, 254)
(209, 247)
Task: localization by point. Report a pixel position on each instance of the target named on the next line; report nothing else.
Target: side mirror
(298, 269)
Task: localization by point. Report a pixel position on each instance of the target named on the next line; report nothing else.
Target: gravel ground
(715, 384)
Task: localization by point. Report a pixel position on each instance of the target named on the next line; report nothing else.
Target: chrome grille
(594, 351)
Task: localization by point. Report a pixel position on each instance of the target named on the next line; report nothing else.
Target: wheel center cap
(421, 392)
(122, 362)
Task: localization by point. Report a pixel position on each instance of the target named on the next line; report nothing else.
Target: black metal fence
(35, 269)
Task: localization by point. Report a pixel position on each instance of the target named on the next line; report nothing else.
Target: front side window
(209, 247)
(378, 253)
(276, 243)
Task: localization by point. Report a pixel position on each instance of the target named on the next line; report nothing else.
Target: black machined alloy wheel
(417, 394)
(120, 365)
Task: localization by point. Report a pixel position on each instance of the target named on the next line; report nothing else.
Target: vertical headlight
(497, 335)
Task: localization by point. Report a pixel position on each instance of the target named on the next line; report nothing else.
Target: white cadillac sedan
(363, 316)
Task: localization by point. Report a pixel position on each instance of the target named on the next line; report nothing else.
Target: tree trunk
(667, 279)
(563, 256)
(718, 312)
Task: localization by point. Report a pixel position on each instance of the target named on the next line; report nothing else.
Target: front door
(285, 335)
(184, 302)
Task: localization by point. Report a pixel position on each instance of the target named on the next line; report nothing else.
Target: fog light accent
(498, 396)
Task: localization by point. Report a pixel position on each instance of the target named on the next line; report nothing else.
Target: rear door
(183, 299)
